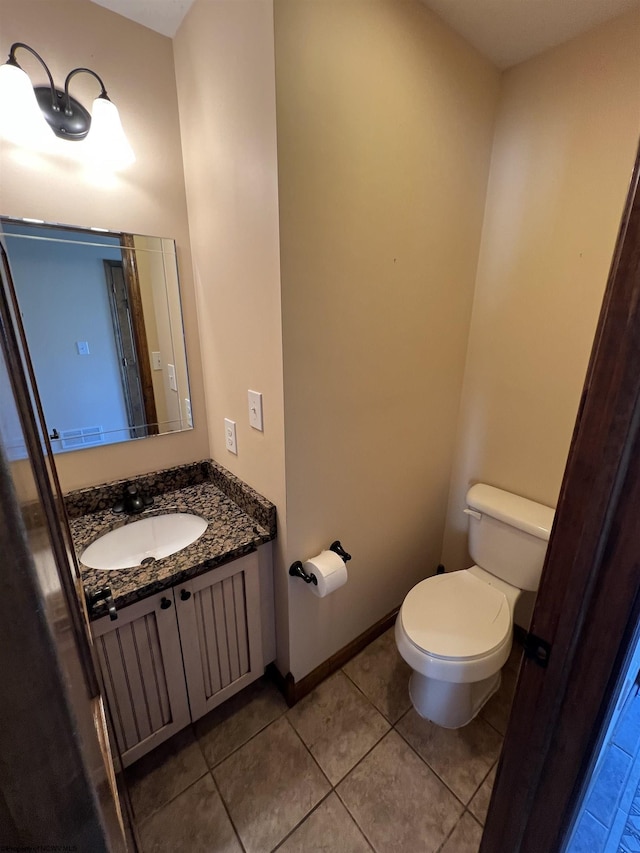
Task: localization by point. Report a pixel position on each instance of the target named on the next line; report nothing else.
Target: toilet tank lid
(521, 513)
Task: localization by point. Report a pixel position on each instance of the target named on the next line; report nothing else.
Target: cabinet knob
(165, 603)
(185, 595)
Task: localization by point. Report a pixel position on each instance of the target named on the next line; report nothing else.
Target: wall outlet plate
(187, 409)
(255, 410)
(230, 436)
(82, 347)
(156, 361)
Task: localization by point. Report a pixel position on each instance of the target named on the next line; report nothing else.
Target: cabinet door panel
(114, 670)
(143, 677)
(241, 624)
(206, 630)
(152, 672)
(231, 626)
(220, 631)
(219, 651)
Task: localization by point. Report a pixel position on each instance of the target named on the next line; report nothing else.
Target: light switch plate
(230, 436)
(171, 373)
(156, 361)
(255, 410)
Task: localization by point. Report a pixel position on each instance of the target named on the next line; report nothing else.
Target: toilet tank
(508, 535)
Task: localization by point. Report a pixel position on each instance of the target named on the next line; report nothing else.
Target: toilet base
(448, 704)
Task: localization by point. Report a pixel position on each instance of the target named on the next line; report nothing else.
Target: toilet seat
(456, 616)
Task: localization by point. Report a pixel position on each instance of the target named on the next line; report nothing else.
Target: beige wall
(385, 121)
(148, 198)
(566, 138)
(224, 60)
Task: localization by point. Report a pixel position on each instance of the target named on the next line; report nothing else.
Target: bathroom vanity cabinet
(171, 657)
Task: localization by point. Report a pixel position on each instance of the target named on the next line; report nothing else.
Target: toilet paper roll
(330, 571)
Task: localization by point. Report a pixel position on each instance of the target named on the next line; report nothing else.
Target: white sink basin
(147, 539)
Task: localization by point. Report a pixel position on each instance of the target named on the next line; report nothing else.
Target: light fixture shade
(106, 143)
(21, 120)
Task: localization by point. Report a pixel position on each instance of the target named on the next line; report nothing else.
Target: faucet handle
(133, 501)
(105, 595)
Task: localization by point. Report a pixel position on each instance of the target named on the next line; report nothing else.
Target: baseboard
(293, 691)
(520, 634)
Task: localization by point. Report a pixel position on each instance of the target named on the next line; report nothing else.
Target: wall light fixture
(28, 114)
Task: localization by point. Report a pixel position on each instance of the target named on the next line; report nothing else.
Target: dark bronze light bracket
(66, 116)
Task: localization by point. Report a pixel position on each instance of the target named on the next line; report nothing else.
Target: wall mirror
(103, 322)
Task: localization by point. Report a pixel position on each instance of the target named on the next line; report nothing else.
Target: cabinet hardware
(165, 603)
(185, 595)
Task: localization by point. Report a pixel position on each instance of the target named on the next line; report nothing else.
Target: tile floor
(351, 768)
(609, 821)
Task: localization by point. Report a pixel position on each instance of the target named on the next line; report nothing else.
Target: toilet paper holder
(296, 570)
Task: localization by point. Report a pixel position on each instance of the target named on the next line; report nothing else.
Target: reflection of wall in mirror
(158, 287)
(146, 264)
(172, 295)
(63, 300)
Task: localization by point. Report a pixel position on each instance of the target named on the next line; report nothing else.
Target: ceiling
(506, 31)
(163, 16)
(510, 31)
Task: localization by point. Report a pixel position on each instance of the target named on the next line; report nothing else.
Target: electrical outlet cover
(230, 436)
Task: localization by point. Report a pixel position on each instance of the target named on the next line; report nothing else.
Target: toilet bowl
(455, 630)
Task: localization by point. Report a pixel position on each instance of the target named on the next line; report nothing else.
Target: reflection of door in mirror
(133, 353)
(103, 323)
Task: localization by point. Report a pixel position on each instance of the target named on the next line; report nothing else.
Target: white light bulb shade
(106, 143)
(21, 120)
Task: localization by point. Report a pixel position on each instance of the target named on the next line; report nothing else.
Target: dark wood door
(126, 348)
(588, 605)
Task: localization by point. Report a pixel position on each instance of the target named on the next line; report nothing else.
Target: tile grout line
(436, 774)
(313, 758)
(217, 764)
(140, 821)
(353, 817)
(372, 703)
(228, 813)
(362, 757)
(333, 788)
(147, 818)
(300, 822)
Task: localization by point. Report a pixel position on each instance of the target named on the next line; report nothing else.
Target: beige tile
(338, 725)
(465, 838)
(461, 757)
(383, 676)
(329, 829)
(162, 774)
(235, 721)
(195, 821)
(269, 785)
(497, 710)
(479, 805)
(397, 801)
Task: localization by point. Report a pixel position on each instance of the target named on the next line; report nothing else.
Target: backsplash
(97, 498)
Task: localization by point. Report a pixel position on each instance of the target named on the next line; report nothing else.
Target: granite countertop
(231, 532)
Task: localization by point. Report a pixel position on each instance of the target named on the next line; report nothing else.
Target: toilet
(455, 630)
